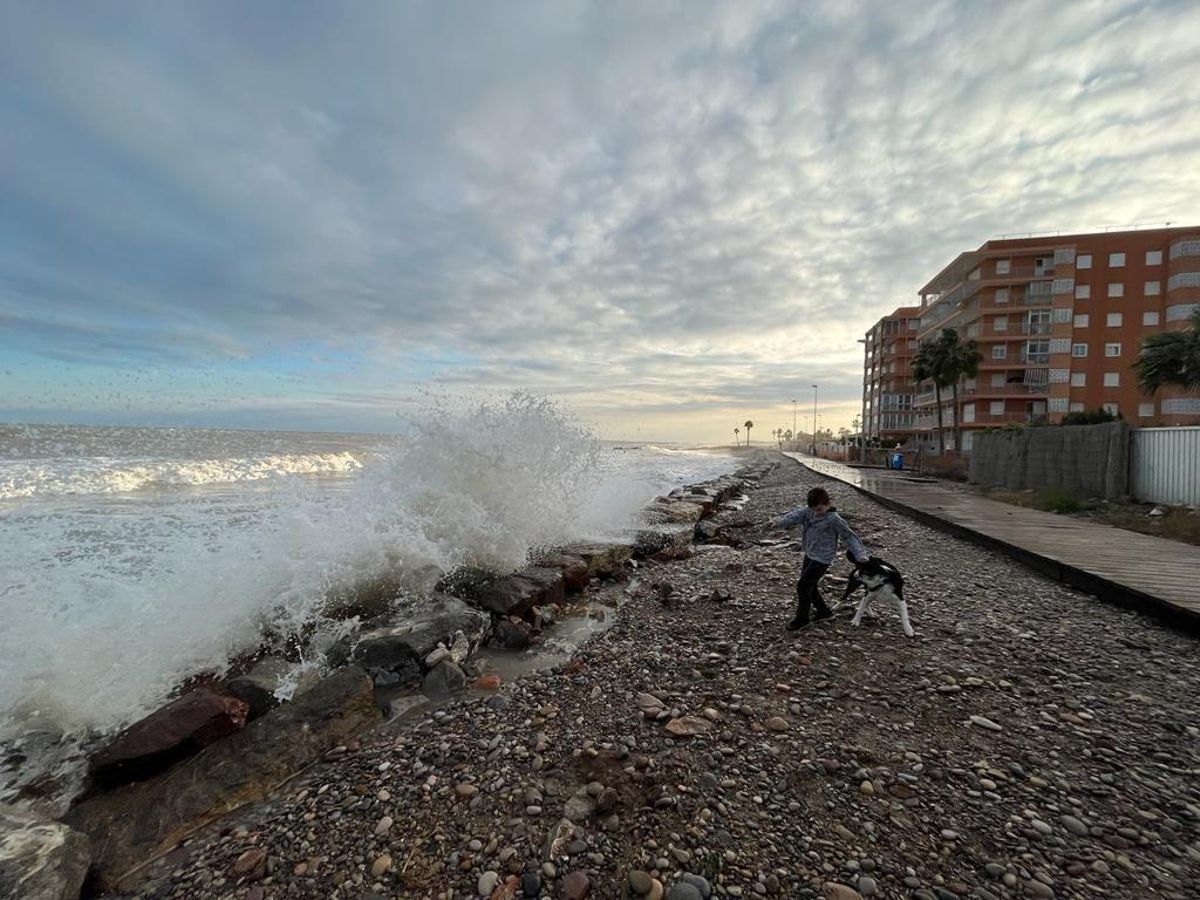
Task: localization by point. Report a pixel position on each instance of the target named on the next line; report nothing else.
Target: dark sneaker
(798, 623)
(823, 613)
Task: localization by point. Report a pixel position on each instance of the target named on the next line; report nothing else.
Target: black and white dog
(881, 581)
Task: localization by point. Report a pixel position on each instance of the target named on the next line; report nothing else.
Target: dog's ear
(853, 561)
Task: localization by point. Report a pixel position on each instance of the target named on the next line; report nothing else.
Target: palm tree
(962, 359)
(928, 364)
(787, 435)
(736, 432)
(1170, 358)
(749, 425)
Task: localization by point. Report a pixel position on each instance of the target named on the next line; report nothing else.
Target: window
(1116, 260)
(1062, 314)
(1083, 261)
(1060, 345)
(999, 351)
(1058, 404)
(1153, 258)
(1003, 266)
(1083, 291)
(968, 412)
(1150, 318)
(1082, 320)
(1183, 405)
(1146, 410)
(1116, 289)
(1000, 323)
(1079, 379)
(1153, 288)
(1112, 349)
(1076, 406)
(1111, 408)
(999, 379)
(1001, 295)
(1113, 320)
(997, 408)
(1062, 286)
(1059, 376)
(1112, 379)
(1079, 351)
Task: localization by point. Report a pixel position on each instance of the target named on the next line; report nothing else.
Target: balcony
(1035, 327)
(1015, 273)
(1013, 389)
(929, 423)
(992, 420)
(1035, 358)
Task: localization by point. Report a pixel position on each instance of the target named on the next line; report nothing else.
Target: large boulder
(40, 859)
(517, 594)
(668, 511)
(258, 687)
(603, 560)
(444, 679)
(135, 822)
(180, 729)
(392, 653)
(509, 635)
(574, 569)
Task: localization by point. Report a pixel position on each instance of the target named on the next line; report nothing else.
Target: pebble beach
(1030, 741)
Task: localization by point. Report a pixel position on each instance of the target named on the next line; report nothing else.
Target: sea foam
(105, 613)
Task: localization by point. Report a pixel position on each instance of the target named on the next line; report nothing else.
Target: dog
(881, 581)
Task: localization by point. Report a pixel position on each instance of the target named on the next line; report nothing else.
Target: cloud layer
(672, 216)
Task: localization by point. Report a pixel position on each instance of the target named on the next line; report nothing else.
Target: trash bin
(896, 461)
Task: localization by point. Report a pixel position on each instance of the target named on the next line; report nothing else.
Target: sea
(132, 559)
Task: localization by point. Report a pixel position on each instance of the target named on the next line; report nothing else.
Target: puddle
(558, 645)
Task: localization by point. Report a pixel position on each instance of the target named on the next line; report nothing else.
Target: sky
(671, 217)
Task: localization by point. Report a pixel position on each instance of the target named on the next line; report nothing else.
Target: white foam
(108, 604)
(101, 475)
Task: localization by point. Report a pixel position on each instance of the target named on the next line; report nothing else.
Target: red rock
(508, 890)
(253, 862)
(178, 730)
(687, 726)
(576, 886)
(488, 682)
(574, 569)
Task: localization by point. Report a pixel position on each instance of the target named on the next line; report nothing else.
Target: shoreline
(567, 783)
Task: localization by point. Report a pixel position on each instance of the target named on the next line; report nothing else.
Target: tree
(749, 425)
(962, 358)
(927, 365)
(736, 432)
(945, 361)
(787, 435)
(1170, 359)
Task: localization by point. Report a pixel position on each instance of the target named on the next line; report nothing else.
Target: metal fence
(1164, 465)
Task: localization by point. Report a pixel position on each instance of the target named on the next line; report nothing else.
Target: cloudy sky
(670, 216)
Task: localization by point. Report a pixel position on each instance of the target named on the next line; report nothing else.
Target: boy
(822, 527)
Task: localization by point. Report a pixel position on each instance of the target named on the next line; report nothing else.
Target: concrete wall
(1090, 460)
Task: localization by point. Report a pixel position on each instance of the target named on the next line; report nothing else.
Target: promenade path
(1152, 574)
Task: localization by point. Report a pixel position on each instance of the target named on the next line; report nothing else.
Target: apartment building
(1060, 321)
(888, 388)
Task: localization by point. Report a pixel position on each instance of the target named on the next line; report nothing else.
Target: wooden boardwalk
(1149, 573)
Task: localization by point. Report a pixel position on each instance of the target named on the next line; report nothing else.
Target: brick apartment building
(1059, 321)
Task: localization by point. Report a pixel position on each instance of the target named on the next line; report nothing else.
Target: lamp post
(794, 419)
(814, 431)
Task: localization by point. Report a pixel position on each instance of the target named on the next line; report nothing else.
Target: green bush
(1088, 417)
(1057, 500)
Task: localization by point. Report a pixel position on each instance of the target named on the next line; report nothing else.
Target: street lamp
(793, 419)
(814, 431)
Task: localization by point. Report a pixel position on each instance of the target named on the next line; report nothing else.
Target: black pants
(808, 592)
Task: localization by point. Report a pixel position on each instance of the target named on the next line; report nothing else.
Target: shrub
(1057, 500)
(1088, 417)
